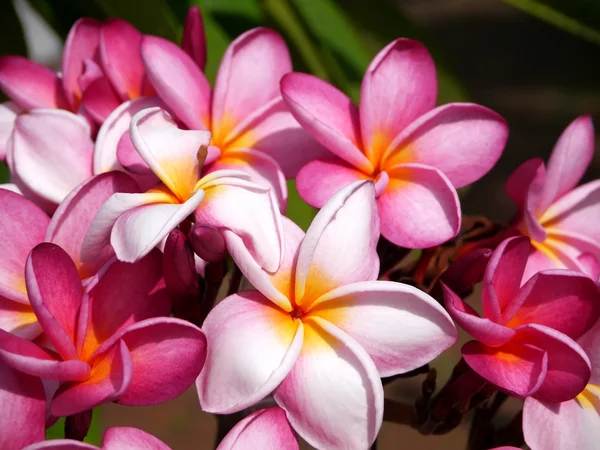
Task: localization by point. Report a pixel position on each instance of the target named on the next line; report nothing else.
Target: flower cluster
(140, 196)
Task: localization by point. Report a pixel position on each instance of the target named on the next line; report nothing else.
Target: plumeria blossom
(111, 341)
(416, 154)
(117, 438)
(136, 223)
(23, 225)
(252, 130)
(559, 218)
(266, 429)
(571, 424)
(320, 332)
(525, 341)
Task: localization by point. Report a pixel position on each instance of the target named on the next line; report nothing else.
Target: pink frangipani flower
(559, 218)
(117, 438)
(266, 429)
(320, 332)
(572, 424)
(416, 154)
(525, 341)
(136, 223)
(23, 225)
(111, 341)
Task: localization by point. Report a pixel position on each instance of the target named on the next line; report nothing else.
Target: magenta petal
(61, 444)
(193, 41)
(119, 438)
(55, 294)
(74, 215)
(569, 367)
(30, 85)
(81, 44)
(483, 330)
(263, 429)
(130, 158)
(99, 100)
(517, 368)
(517, 185)
(467, 270)
(168, 354)
(23, 412)
(179, 269)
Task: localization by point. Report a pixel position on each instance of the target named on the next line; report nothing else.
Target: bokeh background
(537, 63)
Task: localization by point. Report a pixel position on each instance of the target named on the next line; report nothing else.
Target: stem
(512, 434)
(213, 277)
(78, 425)
(481, 426)
(389, 255)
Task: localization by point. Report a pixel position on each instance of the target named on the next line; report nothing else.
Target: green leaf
(13, 41)
(579, 17)
(4, 173)
(298, 211)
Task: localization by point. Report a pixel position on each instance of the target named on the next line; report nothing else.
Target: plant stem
(78, 425)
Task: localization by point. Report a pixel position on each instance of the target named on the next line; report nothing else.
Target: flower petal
(482, 329)
(419, 208)
(516, 368)
(253, 346)
(61, 444)
(99, 100)
(193, 41)
(264, 429)
(178, 81)
(333, 395)
(325, 260)
(22, 227)
(462, 140)
(399, 85)
(328, 115)
(18, 319)
(517, 185)
(55, 294)
(8, 115)
(52, 152)
(129, 438)
(320, 179)
(570, 157)
(30, 85)
(81, 44)
(399, 326)
(248, 77)
(23, 412)
(73, 217)
(171, 153)
(120, 57)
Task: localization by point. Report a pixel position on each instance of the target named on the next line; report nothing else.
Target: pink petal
(333, 396)
(52, 152)
(246, 209)
(81, 44)
(208, 243)
(129, 438)
(273, 130)
(556, 426)
(125, 294)
(569, 160)
(8, 115)
(30, 85)
(253, 346)
(266, 429)
(400, 85)
(61, 444)
(399, 326)
(467, 270)
(261, 168)
(248, 78)
(419, 208)
(73, 217)
(99, 100)
(23, 412)
(130, 158)
(563, 300)
(91, 71)
(113, 128)
(22, 227)
(328, 115)
(325, 260)
(482, 329)
(111, 375)
(568, 369)
(120, 57)
(55, 294)
(278, 286)
(171, 153)
(517, 185)
(516, 368)
(193, 41)
(502, 278)
(18, 319)
(462, 140)
(179, 269)
(320, 179)
(167, 356)
(591, 265)
(178, 81)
